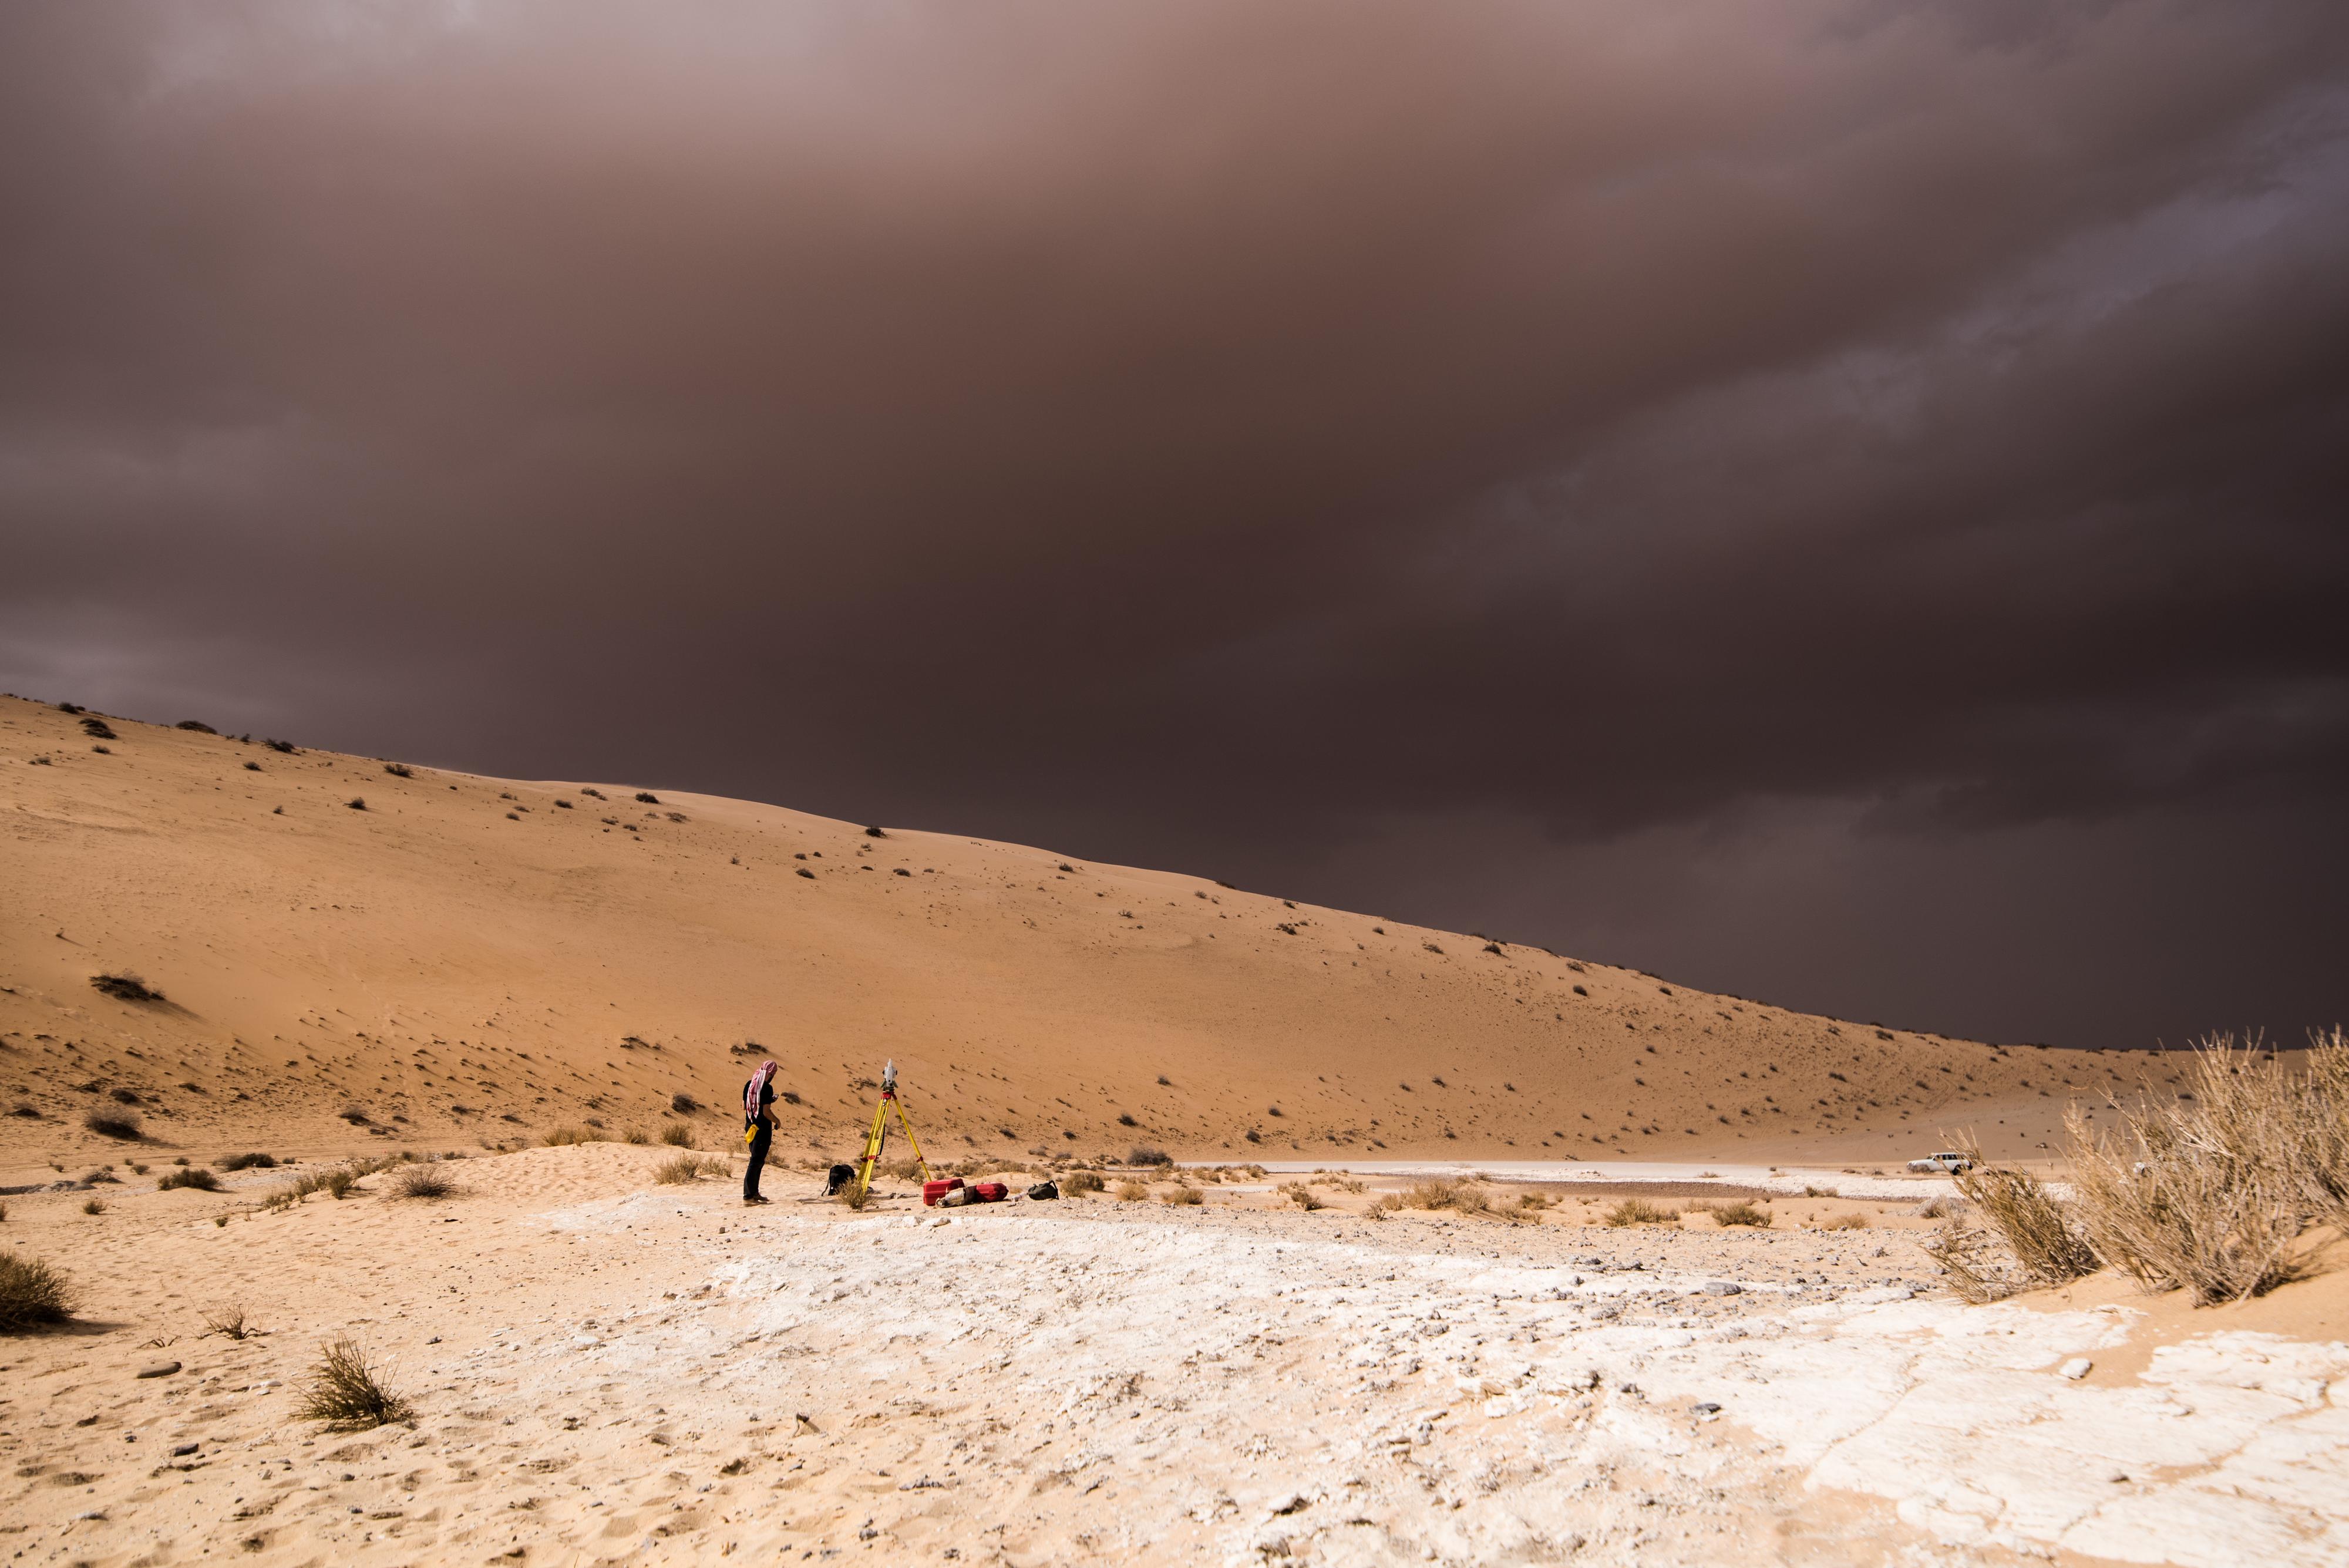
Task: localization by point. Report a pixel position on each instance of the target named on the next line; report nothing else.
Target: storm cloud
(1837, 501)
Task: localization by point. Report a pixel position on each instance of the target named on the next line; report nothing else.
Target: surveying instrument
(878, 1137)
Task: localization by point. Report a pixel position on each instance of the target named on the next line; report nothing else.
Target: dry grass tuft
(31, 1292)
(345, 1392)
(1850, 1220)
(1077, 1181)
(229, 1321)
(1743, 1212)
(636, 1134)
(422, 1181)
(1183, 1196)
(93, 1206)
(2209, 1193)
(557, 1137)
(1296, 1192)
(113, 1124)
(684, 1168)
(1972, 1263)
(2047, 1247)
(194, 1176)
(677, 1134)
(1640, 1212)
(1132, 1191)
(254, 1161)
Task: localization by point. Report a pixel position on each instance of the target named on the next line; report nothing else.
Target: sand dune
(476, 959)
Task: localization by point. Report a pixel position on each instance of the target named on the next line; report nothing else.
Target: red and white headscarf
(755, 1091)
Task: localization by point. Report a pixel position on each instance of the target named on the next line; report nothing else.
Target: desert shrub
(1296, 1192)
(1940, 1208)
(673, 1173)
(1126, 1119)
(400, 769)
(1820, 1192)
(1132, 1191)
(648, 797)
(196, 1176)
(684, 1105)
(1849, 1220)
(677, 1134)
(253, 1161)
(1743, 1212)
(286, 747)
(123, 1097)
(2209, 1192)
(1460, 1197)
(346, 1391)
(124, 987)
(339, 1182)
(874, 833)
(1077, 1181)
(31, 1292)
(112, 1124)
(2048, 1249)
(1141, 1154)
(1182, 1197)
(1640, 1212)
(229, 1321)
(421, 1181)
(1527, 1202)
(637, 1134)
(93, 1206)
(356, 803)
(353, 1115)
(558, 1136)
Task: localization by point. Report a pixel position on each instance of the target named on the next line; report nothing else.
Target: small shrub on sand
(1851, 1220)
(421, 1181)
(1183, 1196)
(1743, 1212)
(1820, 1192)
(113, 1124)
(1132, 1191)
(124, 987)
(1972, 1263)
(637, 1134)
(677, 1134)
(93, 1206)
(1296, 1192)
(1143, 1154)
(1640, 1212)
(345, 1392)
(1460, 1197)
(1077, 1181)
(196, 1176)
(559, 1136)
(229, 1321)
(255, 1161)
(684, 1105)
(31, 1292)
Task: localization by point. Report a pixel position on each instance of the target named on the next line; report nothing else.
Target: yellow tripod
(876, 1140)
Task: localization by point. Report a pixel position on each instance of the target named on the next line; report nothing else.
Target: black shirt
(766, 1098)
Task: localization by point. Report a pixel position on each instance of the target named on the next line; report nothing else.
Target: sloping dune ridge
(463, 958)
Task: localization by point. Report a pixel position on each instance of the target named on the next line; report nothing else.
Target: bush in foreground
(1640, 1212)
(422, 1181)
(197, 1176)
(31, 1292)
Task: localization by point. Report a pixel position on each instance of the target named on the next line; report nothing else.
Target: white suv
(1946, 1163)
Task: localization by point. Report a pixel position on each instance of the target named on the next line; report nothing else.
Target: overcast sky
(1838, 502)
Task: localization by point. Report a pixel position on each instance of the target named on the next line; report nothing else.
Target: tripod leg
(910, 1139)
(873, 1140)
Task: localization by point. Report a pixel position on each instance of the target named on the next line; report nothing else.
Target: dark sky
(1838, 502)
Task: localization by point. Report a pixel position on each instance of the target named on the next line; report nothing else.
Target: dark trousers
(759, 1147)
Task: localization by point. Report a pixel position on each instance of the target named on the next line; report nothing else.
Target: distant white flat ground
(1789, 1178)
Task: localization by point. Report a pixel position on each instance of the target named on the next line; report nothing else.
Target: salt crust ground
(607, 1371)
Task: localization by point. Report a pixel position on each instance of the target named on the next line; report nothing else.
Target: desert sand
(603, 1367)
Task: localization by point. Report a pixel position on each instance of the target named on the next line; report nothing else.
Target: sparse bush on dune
(1460, 1197)
(1132, 1191)
(93, 1206)
(687, 1168)
(254, 1161)
(1079, 1181)
(1743, 1212)
(31, 1292)
(422, 1181)
(1850, 1220)
(229, 1321)
(1183, 1196)
(558, 1136)
(108, 1124)
(2041, 1243)
(1640, 1212)
(637, 1134)
(677, 1134)
(195, 1177)
(346, 1391)
(1143, 1154)
(684, 1105)
(124, 987)
(1301, 1195)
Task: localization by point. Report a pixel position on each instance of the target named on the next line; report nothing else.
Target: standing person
(759, 1126)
